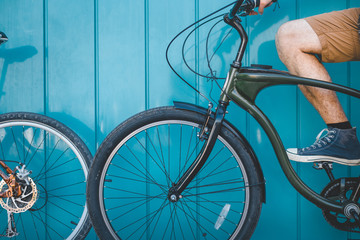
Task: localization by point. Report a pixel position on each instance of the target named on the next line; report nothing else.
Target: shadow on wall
(79, 127)
(14, 55)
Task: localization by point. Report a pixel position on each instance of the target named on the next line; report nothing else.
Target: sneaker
(337, 145)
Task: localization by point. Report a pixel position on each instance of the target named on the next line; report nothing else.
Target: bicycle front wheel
(145, 156)
(52, 165)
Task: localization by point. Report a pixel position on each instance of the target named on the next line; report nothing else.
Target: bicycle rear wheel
(53, 201)
(142, 158)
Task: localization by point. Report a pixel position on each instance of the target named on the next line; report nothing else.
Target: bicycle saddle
(3, 38)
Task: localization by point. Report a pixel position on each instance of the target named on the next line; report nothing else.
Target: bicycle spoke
(47, 160)
(47, 225)
(35, 227)
(36, 149)
(22, 224)
(187, 219)
(63, 209)
(162, 168)
(197, 223)
(217, 203)
(146, 170)
(16, 144)
(218, 191)
(57, 161)
(209, 210)
(144, 217)
(223, 183)
(209, 161)
(65, 186)
(179, 223)
(63, 174)
(131, 172)
(135, 180)
(131, 192)
(30, 143)
(171, 213)
(162, 153)
(61, 197)
(155, 227)
(142, 169)
(201, 178)
(146, 200)
(148, 222)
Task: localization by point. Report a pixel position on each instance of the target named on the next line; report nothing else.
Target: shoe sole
(310, 159)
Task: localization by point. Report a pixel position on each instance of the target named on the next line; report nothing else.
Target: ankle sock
(341, 125)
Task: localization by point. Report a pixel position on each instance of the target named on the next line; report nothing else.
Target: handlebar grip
(244, 6)
(235, 9)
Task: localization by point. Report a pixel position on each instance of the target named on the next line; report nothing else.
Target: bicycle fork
(175, 191)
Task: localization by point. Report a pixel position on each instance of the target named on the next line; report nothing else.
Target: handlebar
(245, 7)
(235, 9)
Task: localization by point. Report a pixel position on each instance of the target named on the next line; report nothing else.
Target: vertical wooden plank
(21, 58)
(121, 62)
(166, 19)
(71, 66)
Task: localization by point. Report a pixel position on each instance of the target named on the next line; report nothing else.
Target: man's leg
(297, 43)
(334, 37)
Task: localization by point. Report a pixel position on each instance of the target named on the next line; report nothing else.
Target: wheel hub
(173, 196)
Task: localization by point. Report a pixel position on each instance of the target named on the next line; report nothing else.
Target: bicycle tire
(55, 206)
(129, 201)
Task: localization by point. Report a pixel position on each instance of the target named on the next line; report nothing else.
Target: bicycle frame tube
(243, 89)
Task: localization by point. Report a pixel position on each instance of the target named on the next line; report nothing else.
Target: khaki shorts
(339, 35)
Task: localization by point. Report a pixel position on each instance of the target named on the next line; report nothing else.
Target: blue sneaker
(337, 145)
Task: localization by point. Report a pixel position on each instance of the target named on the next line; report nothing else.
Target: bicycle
(185, 172)
(43, 185)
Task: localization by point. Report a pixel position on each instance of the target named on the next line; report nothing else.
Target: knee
(285, 39)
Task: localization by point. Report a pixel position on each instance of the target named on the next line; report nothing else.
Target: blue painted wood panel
(93, 64)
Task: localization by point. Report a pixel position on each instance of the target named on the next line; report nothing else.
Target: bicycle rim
(138, 173)
(58, 170)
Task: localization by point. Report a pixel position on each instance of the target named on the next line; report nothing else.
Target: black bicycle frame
(244, 90)
(242, 86)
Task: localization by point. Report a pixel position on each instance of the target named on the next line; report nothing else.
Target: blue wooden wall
(91, 64)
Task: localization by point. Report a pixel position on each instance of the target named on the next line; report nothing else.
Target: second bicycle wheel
(52, 166)
(140, 161)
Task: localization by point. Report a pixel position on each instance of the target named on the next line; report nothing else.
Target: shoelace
(322, 141)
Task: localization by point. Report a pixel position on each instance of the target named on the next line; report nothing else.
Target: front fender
(234, 130)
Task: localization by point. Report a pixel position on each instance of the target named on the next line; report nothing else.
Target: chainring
(340, 191)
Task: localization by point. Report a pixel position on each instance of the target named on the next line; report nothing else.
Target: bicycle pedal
(322, 165)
